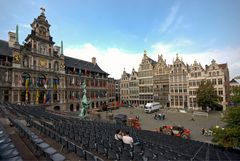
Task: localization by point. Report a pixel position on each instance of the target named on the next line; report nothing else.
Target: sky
(117, 32)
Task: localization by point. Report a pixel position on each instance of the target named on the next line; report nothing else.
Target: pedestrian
(127, 139)
(203, 131)
(160, 116)
(193, 117)
(118, 135)
(137, 117)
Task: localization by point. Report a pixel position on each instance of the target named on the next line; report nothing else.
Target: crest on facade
(16, 57)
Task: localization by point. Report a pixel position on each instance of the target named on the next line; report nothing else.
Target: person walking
(203, 131)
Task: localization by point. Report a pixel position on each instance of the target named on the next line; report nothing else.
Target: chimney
(94, 61)
(11, 39)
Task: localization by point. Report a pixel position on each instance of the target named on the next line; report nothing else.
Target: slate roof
(5, 49)
(81, 64)
(233, 81)
(153, 62)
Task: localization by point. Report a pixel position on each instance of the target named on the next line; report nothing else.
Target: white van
(151, 107)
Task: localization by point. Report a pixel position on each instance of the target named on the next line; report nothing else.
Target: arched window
(41, 80)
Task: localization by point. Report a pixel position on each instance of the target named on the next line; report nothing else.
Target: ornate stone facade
(38, 73)
(178, 84)
(145, 77)
(124, 88)
(175, 85)
(161, 82)
(196, 75)
(133, 88)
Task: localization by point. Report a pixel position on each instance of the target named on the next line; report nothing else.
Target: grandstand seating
(93, 140)
(8, 151)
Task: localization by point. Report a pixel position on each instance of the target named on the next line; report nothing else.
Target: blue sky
(117, 32)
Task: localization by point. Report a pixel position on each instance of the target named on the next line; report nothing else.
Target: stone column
(18, 96)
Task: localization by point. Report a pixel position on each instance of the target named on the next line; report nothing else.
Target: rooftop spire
(177, 56)
(145, 52)
(61, 48)
(17, 34)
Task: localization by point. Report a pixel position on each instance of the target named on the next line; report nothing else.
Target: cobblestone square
(174, 118)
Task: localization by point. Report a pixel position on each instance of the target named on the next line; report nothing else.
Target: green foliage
(206, 95)
(232, 117)
(230, 135)
(236, 95)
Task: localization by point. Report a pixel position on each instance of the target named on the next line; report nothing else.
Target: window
(214, 82)
(34, 64)
(15, 96)
(220, 92)
(220, 81)
(25, 61)
(56, 67)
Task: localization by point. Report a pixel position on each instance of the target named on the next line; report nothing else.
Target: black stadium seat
(98, 136)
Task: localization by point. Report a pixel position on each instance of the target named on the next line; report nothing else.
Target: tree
(229, 136)
(206, 95)
(235, 97)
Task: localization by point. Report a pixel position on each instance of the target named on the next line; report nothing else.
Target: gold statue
(16, 57)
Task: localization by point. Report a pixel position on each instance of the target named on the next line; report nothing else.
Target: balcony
(5, 63)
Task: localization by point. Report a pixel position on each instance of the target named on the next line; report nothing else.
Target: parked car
(179, 131)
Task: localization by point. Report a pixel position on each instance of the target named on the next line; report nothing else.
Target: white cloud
(229, 55)
(23, 25)
(170, 18)
(114, 60)
(111, 60)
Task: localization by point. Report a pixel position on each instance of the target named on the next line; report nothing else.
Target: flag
(27, 83)
(37, 97)
(44, 99)
(45, 83)
(48, 97)
(20, 79)
(33, 82)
